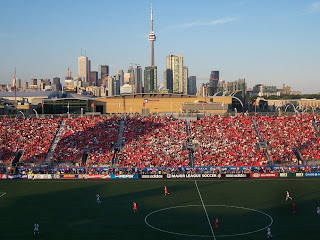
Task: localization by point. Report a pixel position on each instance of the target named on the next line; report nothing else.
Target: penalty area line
(204, 207)
(2, 194)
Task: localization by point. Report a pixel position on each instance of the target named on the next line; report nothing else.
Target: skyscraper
(83, 68)
(94, 78)
(175, 64)
(56, 84)
(150, 79)
(103, 71)
(192, 85)
(185, 76)
(138, 79)
(167, 80)
(213, 84)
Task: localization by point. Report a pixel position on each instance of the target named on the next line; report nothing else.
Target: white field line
(204, 207)
(2, 194)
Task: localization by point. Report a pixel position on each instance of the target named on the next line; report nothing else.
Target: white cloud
(203, 24)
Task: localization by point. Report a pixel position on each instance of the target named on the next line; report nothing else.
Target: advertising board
(313, 174)
(152, 176)
(263, 175)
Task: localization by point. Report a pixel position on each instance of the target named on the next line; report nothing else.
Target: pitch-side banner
(313, 174)
(264, 175)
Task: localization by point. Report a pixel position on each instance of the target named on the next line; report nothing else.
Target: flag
(202, 103)
(92, 104)
(68, 106)
(118, 104)
(254, 103)
(42, 104)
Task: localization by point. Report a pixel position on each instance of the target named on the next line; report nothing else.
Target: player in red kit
(135, 209)
(166, 191)
(216, 224)
(293, 207)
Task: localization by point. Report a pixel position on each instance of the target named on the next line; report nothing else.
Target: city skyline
(264, 42)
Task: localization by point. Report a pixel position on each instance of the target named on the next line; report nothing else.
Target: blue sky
(264, 41)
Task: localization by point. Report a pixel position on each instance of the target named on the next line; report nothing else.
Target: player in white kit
(288, 196)
(269, 234)
(36, 229)
(98, 198)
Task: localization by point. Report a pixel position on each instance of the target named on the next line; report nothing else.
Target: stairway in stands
(190, 146)
(262, 145)
(17, 157)
(118, 144)
(48, 159)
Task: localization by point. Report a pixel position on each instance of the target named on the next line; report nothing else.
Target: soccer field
(67, 209)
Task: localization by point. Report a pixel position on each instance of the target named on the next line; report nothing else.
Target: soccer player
(98, 198)
(36, 229)
(269, 235)
(288, 196)
(166, 191)
(293, 207)
(135, 209)
(216, 224)
(318, 210)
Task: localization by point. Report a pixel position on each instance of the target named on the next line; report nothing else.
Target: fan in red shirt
(216, 224)
(293, 207)
(166, 191)
(135, 209)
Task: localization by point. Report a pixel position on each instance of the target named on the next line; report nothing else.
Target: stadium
(234, 169)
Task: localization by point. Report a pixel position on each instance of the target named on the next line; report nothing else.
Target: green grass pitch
(67, 209)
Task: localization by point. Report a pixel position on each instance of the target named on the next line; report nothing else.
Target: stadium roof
(27, 94)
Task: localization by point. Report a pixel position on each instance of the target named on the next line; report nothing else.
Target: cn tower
(152, 38)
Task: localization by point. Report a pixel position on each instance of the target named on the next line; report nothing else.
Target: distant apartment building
(213, 82)
(150, 79)
(94, 78)
(18, 83)
(192, 85)
(177, 74)
(138, 79)
(25, 85)
(103, 71)
(262, 90)
(56, 84)
(239, 85)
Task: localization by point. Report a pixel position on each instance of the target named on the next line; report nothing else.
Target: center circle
(161, 229)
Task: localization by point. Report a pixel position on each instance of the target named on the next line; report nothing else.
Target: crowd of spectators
(226, 141)
(283, 133)
(32, 135)
(93, 134)
(154, 142)
(162, 141)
